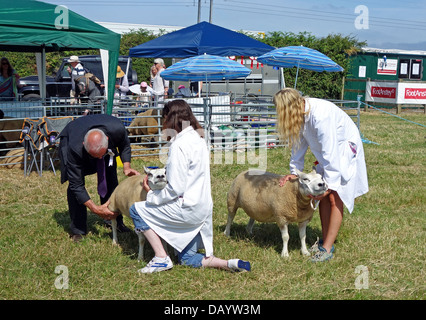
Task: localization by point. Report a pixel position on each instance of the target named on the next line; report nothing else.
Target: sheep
(258, 193)
(130, 191)
(145, 124)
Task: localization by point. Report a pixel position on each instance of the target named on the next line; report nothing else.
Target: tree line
(315, 84)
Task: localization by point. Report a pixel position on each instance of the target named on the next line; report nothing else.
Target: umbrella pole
(282, 79)
(297, 73)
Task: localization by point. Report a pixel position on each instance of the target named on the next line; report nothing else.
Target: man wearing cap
(160, 85)
(121, 85)
(76, 70)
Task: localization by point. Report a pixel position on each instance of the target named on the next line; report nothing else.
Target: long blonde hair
(290, 106)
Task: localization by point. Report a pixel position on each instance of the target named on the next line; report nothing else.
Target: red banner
(415, 93)
(383, 92)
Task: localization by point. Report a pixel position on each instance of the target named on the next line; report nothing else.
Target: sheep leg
(141, 239)
(231, 216)
(250, 225)
(114, 231)
(302, 236)
(285, 237)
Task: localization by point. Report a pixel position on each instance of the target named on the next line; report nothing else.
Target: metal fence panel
(231, 123)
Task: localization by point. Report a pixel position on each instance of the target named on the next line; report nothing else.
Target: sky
(385, 24)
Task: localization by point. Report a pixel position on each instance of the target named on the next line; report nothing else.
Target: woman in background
(9, 81)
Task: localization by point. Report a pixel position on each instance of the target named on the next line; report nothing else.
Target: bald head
(96, 143)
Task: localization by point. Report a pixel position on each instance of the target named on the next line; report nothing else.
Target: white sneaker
(238, 265)
(157, 265)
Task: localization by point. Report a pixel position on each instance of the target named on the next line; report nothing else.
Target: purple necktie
(102, 186)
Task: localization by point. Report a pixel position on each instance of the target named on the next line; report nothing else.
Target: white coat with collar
(184, 207)
(335, 142)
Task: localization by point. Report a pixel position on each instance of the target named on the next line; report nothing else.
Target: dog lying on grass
(130, 191)
(258, 193)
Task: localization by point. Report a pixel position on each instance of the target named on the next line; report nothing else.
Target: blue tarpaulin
(198, 39)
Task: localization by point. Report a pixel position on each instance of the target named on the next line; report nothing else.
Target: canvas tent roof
(35, 26)
(198, 39)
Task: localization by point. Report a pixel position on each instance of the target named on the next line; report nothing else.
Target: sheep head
(156, 177)
(311, 183)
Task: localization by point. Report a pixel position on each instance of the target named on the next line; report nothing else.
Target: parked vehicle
(59, 85)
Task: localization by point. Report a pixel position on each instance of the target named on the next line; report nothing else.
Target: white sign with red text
(387, 66)
(396, 92)
(381, 91)
(412, 93)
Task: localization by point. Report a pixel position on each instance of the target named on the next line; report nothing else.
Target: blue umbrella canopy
(198, 39)
(205, 68)
(300, 57)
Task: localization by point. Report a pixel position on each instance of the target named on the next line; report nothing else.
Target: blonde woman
(335, 142)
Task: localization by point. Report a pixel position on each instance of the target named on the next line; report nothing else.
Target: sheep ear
(299, 172)
(146, 170)
(314, 169)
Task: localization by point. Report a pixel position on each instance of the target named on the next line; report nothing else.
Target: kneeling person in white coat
(181, 213)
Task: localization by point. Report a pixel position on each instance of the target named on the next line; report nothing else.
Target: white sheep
(258, 193)
(130, 191)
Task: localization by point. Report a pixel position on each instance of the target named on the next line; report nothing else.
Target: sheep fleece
(261, 197)
(126, 194)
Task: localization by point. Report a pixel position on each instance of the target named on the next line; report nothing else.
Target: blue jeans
(189, 256)
(140, 224)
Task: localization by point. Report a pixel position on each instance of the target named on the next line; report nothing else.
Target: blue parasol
(205, 68)
(300, 57)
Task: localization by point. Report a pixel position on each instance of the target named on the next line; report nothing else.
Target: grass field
(384, 237)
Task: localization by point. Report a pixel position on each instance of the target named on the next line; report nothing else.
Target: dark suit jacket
(76, 163)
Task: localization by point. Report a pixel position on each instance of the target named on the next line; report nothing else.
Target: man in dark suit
(88, 143)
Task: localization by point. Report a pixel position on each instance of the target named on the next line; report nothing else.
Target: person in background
(334, 140)
(145, 95)
(76, 70)
(160, 85)
(181, 213)
(153, 73)
(9, 81)
(121, 85)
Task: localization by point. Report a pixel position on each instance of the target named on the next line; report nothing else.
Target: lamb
(258, 193)
(130, 191)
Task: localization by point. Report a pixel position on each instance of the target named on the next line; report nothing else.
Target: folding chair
(30, 137)
(49, 130)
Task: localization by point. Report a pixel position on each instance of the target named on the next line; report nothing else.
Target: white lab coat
(335, 142)
(184, 207)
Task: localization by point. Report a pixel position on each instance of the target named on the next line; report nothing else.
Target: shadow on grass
(267, 235)
(128, 241)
